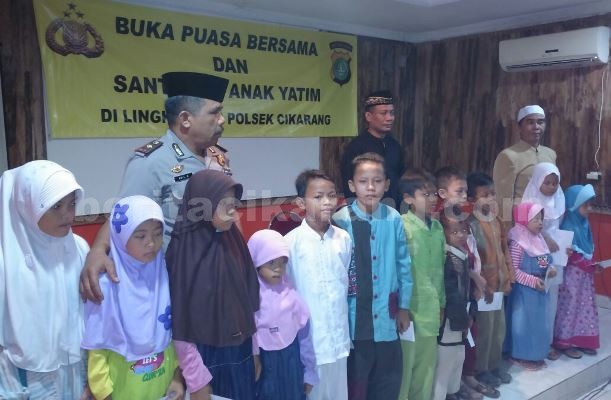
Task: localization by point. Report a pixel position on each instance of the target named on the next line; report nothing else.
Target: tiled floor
(565, 379)
(604, 394)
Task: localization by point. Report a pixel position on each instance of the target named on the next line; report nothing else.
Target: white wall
(267, 167)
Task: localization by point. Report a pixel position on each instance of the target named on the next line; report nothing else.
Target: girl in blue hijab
(576, 327)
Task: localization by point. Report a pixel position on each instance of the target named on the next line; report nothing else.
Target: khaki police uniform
(161, 169)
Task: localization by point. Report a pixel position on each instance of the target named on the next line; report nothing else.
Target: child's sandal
(588, 352)
(466, 393)
(487, 391)
(530, 365)
(553, 354)
(572, 353)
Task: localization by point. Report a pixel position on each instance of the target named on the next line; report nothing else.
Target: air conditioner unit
(582, 47)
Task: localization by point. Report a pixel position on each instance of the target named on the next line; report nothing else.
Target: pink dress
(577, 317)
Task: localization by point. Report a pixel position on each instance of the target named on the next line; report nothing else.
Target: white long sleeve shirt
(318, 268)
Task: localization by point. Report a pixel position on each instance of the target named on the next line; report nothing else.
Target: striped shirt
(523, 278)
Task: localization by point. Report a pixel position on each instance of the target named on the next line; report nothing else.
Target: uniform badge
(177, 150)
(220, 157)
(177, 168)
(217, 159)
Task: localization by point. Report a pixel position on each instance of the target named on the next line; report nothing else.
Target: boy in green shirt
(426, 243)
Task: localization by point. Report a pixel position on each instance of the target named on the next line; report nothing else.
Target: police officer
(160, 169)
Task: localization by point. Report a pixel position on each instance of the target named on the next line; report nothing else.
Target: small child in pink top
(288, 364)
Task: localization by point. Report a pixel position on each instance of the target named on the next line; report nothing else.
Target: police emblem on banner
(71, 34)
(341, 54)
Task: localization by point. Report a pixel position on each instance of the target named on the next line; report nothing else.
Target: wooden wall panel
(461, 106)
(21, 71)
(466, 106)
(382, 64)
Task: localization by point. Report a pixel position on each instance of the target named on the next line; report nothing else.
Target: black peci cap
(194, 84)
(380, 97)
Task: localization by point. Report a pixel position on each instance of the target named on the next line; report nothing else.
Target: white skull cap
(527, 110)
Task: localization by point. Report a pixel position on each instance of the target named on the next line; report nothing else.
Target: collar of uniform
(311, 232)
(523, 146)
(376, 214)
(457, 252)
(174, 140)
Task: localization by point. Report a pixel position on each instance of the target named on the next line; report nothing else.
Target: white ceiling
(394, 19)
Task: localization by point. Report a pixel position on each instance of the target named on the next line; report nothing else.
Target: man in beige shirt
(513, 166)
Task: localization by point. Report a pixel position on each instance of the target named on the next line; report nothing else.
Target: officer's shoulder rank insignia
(177, 169)
(148, 148)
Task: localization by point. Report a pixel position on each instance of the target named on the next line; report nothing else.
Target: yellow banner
(103, 63)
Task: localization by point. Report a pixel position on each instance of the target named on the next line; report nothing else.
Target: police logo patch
(341, 55)
(76, 35)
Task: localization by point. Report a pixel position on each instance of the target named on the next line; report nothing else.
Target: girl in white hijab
(41, 314)
(544, 189)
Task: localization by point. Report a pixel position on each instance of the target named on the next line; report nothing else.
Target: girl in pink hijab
(288, 364)
(532, 262)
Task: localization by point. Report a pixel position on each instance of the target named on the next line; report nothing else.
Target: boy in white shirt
(318, 267)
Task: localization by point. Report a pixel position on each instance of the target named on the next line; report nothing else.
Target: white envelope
(470, 339)
(410, 334)
(564, 239)
(497, 303)
(469, 335)
(556, 280)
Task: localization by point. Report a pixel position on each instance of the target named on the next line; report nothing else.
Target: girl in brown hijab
(214, 288)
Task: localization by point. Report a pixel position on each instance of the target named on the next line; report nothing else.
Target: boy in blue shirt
(380, 284)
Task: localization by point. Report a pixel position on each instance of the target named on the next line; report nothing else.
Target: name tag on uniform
(181, 178)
